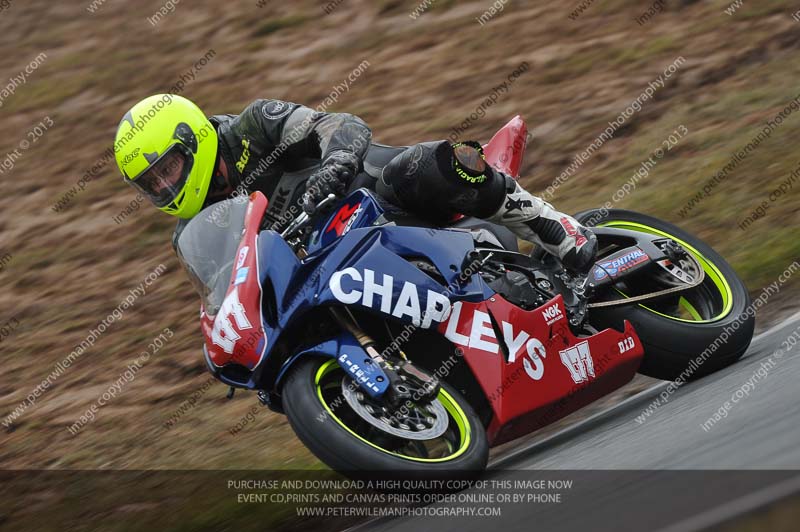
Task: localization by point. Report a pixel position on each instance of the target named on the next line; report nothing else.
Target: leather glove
(333, 177)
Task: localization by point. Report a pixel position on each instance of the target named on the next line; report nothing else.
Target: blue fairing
(359, 209)
(368, 267)
(352, 358)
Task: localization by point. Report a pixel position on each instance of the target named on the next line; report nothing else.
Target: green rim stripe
(711, 270)
(446, 399)
(690, 308)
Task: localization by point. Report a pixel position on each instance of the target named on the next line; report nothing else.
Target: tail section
(507, 147)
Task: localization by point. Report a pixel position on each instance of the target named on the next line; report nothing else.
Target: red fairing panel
(235, 334)
(537, 371)
(507, 147)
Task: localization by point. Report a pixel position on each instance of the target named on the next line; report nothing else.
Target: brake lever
(296, 224)
(304, 218)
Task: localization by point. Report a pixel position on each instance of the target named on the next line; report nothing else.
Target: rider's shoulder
(271, 109)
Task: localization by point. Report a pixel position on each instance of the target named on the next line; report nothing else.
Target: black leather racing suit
(274, 146)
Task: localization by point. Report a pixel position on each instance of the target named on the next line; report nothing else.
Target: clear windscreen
(207, 249)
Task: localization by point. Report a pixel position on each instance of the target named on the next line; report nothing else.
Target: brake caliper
(407, 382)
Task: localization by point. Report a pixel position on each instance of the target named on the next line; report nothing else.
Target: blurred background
(74, 241)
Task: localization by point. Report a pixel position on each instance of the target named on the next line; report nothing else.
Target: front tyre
(325, 422)
(695, 333)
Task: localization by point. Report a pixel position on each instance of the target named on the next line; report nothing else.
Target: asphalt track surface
(667, 473)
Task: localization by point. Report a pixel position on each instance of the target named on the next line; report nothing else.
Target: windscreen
(207, 249)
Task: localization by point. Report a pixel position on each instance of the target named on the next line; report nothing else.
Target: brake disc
(413, 424)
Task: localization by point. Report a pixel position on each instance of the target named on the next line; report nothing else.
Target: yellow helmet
(166, 148)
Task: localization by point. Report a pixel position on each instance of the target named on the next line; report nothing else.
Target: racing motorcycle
(392, 345)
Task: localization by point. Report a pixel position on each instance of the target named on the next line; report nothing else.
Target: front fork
(407, 382)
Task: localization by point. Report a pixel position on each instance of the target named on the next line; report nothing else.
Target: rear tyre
(704, 330)
(329, 427)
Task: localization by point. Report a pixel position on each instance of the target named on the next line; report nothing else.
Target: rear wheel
(694, 332)
(331, 418)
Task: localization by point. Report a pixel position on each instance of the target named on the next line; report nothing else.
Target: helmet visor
(163, 180)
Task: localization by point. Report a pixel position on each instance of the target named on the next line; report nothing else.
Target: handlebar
(303, 218)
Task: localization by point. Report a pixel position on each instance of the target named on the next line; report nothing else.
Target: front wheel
(691, 334)
(329, 415)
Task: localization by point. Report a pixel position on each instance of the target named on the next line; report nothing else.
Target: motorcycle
(392, 345)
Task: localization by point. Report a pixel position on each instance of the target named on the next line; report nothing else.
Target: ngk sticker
(553, 314)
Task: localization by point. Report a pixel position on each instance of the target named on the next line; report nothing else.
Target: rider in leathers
(296, 156)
